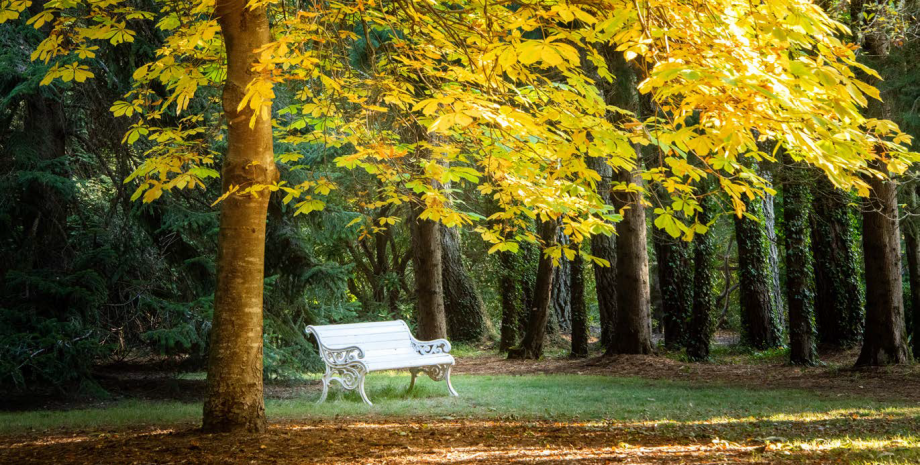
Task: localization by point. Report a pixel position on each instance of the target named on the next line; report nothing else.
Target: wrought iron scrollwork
(438, 346)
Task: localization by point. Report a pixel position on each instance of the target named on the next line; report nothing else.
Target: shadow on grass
(400, 441)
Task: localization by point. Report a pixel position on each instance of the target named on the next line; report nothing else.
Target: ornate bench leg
(361, 391)
(414, 372)
(450, 387)
(322, 398)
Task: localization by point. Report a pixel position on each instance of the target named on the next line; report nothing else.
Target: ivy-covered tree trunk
(561, 319)
(466, 320)
(776, 290)
(604, 247)
(234, 389)
(531, 346)
(675, 275)
(429, 287)
(759, 325)
(700, 326)
(838, 297)
(911, 230)
(512, 305)
(885, 335)
(799, 293)
(579, 311)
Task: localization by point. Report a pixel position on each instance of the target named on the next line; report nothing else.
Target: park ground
(742, 408)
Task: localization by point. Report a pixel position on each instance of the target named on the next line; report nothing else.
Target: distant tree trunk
(632, 332)
(675, 275)
(531, 346)
(466, 320)
(838, 297)
(429, 287)
(633, 325)
(776, 289)
(579, 312)
(911, 230)
(234, 388)
(605, 247)
(700, 327)
(512, 305)
(760, 327)
(799, 293)
(562, 293)
(885, 336)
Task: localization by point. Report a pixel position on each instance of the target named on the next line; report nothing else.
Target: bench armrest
(437, 346)
(341, 355)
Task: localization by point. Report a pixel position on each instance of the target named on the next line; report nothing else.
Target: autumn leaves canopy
(427, 96)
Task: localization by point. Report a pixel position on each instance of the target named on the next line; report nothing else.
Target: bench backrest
(377, 339)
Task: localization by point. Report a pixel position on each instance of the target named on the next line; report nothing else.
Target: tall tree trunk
(885, 336)
(605, 277)
(234, 393)
(799, 293)
(760, 328)
(632, 332)
(429, 287)
(466, 320)
(838, 297)
(579, 312)
(633, 325)
(675, 275)
(700, 327)
(532, 345)
(911, 230)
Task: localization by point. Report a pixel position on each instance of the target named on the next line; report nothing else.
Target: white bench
(352, 351)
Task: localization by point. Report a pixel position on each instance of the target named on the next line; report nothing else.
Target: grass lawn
(773, 425)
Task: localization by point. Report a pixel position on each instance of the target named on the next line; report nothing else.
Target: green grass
(554, 397)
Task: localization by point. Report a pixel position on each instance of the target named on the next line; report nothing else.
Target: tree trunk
(799, 293)
(429, 287)
(579, 312)
(700, 327)
(776, 289)
(675, 276)
(234, 392)
(633, 325)
(838, 297)
(466, 320)
(510, 290)
(532, 345)
(911, 230)
(632, 328)
(885, 336)
(760, 328)
(604, 247)
(562, 293)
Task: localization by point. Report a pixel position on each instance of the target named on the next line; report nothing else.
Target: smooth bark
(234, 388)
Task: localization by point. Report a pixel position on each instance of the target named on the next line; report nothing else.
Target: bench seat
(350, 351)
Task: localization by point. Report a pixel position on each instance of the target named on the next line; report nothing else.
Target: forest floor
(742, 408)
